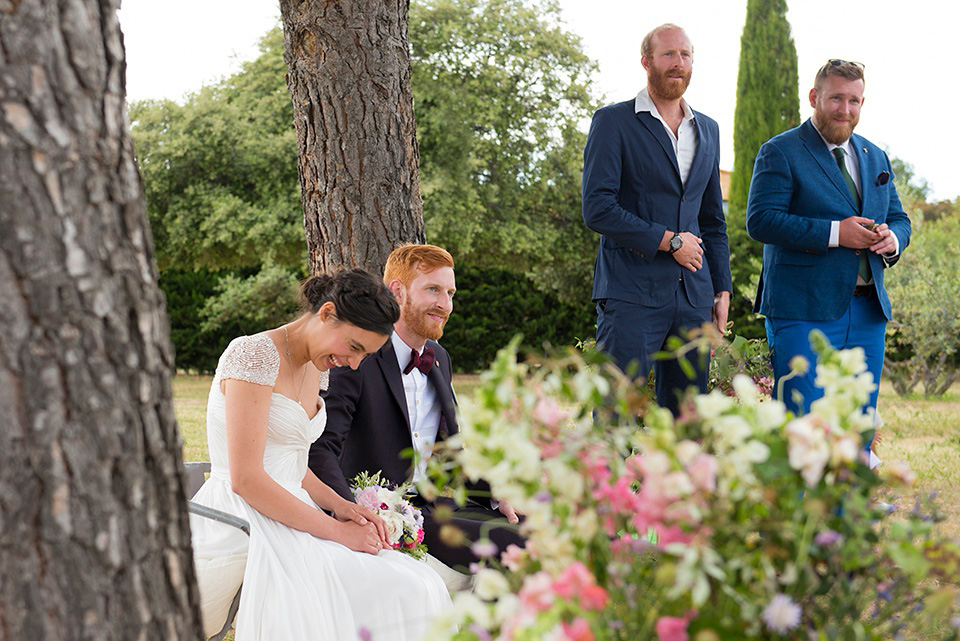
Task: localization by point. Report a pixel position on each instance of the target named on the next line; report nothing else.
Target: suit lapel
(444, 388)
(655, 127)
(698, 155)
(390, 367)
(818, 149)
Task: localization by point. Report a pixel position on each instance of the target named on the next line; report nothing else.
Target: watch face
(676, 243)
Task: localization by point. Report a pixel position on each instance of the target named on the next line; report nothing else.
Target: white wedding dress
(296, 587)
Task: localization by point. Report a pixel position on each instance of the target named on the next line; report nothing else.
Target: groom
(401, 398)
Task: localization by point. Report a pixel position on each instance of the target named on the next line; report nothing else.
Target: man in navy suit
(400, 399)
(824, 204)
(651, 188)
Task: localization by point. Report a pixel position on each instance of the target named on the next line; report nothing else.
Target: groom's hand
(360, 515)
(360, 538)
(507, 510)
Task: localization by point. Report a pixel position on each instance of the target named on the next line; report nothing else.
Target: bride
(306, 575)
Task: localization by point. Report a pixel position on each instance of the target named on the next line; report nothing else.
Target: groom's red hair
(404, 262)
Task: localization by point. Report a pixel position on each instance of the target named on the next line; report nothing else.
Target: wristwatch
(675, 242)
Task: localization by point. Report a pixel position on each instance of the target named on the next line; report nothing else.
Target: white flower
(732, 429)
(687, 451)
(394, 523)
(782, 614)
(713, 404)
(471, 607)
(564, 480)
(746, 390)
(845, 449)
(771, 415)
(490, 584)
(808, 449)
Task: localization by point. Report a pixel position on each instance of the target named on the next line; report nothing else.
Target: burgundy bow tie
(422, 362)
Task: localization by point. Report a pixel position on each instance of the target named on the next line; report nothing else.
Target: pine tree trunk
(94, 537)
(349, 78)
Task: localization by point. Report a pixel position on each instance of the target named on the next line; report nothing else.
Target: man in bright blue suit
(651, 188)
(824, 204)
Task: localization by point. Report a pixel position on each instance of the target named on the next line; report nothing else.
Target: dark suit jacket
(632, 194)
(797, 190)
(367, 423)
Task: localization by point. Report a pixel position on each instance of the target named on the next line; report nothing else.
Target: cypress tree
(767, 104)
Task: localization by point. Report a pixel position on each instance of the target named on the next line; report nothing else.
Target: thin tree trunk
(349, 79)
(94, 537)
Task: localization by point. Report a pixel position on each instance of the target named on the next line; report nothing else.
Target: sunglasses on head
(837, 62)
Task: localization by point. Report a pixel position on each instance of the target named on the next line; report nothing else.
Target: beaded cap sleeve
(254, 359)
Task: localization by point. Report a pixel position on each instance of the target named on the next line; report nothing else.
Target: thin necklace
(286, 342)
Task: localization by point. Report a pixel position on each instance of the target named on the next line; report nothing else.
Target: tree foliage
(501, 93)
(220, 172)
(924, 340)
(767, 104)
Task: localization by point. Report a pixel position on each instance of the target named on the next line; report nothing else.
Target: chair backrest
(195, 473)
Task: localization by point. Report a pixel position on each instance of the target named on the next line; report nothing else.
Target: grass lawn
(923, 433)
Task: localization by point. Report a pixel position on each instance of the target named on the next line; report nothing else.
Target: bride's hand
(360, 538)
(360, 515)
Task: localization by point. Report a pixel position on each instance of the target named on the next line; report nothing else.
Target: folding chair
(195, 477)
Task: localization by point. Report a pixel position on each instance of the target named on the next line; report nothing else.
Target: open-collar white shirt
(684, 142)
(423, 407)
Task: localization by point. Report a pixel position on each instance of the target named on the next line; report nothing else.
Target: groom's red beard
(421, 323)
(833, 130)
(665, 86)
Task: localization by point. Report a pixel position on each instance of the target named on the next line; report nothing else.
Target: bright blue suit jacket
(797, 190)
(632, 193)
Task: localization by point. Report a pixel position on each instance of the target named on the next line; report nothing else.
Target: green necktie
(838, 153)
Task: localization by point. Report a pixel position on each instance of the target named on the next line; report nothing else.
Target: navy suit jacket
(632, 194)
(797, 190)
(367, 423)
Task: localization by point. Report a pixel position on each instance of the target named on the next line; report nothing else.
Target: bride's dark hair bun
(360, 299)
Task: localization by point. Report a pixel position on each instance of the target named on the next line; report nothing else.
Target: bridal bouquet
(404, 522)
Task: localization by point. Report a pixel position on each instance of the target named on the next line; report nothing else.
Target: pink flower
(484, 548)
(569, 584)
(593, 597)
(537, 592)
(673, 628)
(548, 412)
(673, 534)
(703, 472)
(513, 557)
(367, 497)
(578, 630)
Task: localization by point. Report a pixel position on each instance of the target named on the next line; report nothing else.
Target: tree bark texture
(349, 78)
(94, 536)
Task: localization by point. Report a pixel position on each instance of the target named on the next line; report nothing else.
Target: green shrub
(186, 292)
(493, 305)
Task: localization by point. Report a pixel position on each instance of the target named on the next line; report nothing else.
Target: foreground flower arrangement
(738, 520)
(404, 522)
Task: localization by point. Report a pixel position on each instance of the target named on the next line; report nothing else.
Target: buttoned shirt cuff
(834, 234)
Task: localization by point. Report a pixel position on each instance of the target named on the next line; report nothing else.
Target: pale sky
(910, 49)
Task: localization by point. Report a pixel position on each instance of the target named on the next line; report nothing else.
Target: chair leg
(231, 615)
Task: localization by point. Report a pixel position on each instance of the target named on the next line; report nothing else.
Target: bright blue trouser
(862, 325)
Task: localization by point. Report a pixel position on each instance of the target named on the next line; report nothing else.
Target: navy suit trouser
(862, 325)
(633, 334)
